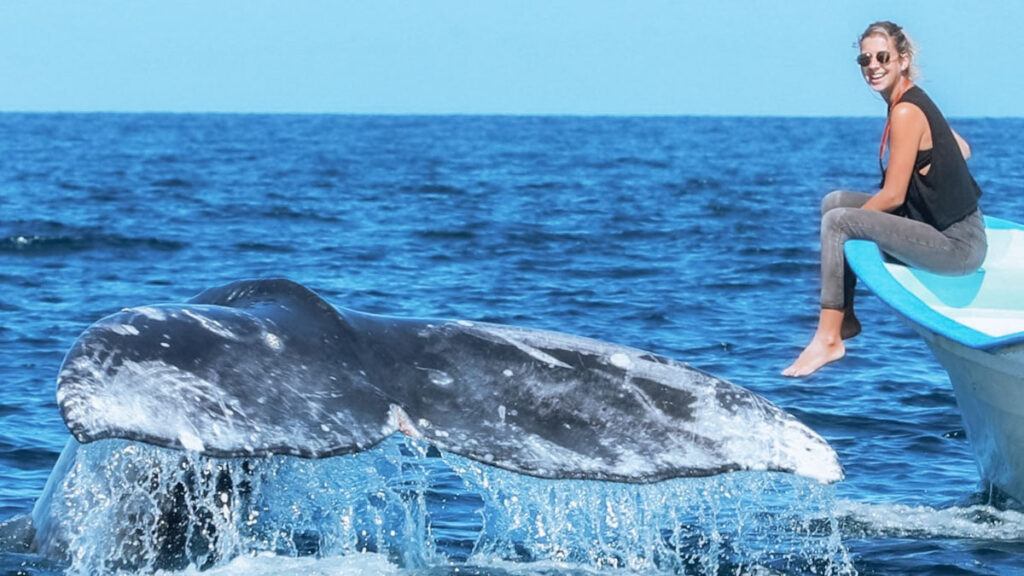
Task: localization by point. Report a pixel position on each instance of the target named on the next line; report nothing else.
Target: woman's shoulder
(915, 103)
(907, 112)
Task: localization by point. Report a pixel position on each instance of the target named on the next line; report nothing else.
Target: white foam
(899, 520)
(268, 564)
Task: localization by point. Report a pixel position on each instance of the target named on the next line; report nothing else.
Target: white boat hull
(989, 388)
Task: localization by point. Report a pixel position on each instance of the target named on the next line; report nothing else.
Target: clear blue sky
(746, 57)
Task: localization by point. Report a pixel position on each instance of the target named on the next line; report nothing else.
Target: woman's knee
(835, 220)
(831, 201)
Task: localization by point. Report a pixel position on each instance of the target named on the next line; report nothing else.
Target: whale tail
(263, 367)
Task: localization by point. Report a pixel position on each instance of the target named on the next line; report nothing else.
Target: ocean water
(695, 238)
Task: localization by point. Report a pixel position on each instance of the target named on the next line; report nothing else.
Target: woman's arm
(907, 127)
(965, 149)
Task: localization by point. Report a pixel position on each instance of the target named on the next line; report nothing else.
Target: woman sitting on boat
(925, 214)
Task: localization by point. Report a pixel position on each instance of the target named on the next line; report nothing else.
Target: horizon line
(464, 114)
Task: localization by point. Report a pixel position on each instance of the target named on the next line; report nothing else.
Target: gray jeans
(959, 249)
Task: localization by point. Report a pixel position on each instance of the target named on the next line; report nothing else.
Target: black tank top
(948, 192)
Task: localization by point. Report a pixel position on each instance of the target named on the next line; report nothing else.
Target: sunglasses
(882, 56)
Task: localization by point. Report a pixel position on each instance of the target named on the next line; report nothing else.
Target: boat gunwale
(865, 258)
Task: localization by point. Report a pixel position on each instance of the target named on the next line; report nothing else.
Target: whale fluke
(260, 367)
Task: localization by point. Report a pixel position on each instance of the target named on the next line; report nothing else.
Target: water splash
(731, 523)
(273, 565)
(128, 506)
(973, 522)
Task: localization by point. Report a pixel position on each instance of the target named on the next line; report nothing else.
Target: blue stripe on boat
(866, 261)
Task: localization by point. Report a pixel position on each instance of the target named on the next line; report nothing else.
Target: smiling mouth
(876, 76)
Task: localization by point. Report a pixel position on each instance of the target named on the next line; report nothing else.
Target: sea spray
(731, 523)
(129, 506)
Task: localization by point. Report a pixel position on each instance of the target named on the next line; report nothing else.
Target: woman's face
(880, 77)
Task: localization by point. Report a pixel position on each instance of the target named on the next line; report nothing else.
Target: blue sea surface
(696, 238)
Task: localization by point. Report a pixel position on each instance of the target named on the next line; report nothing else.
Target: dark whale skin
(262, 367)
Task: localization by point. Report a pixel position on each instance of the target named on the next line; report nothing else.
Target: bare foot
(851, 326)
(819, 352)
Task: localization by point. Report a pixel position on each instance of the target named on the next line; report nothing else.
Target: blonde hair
(904, 45)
